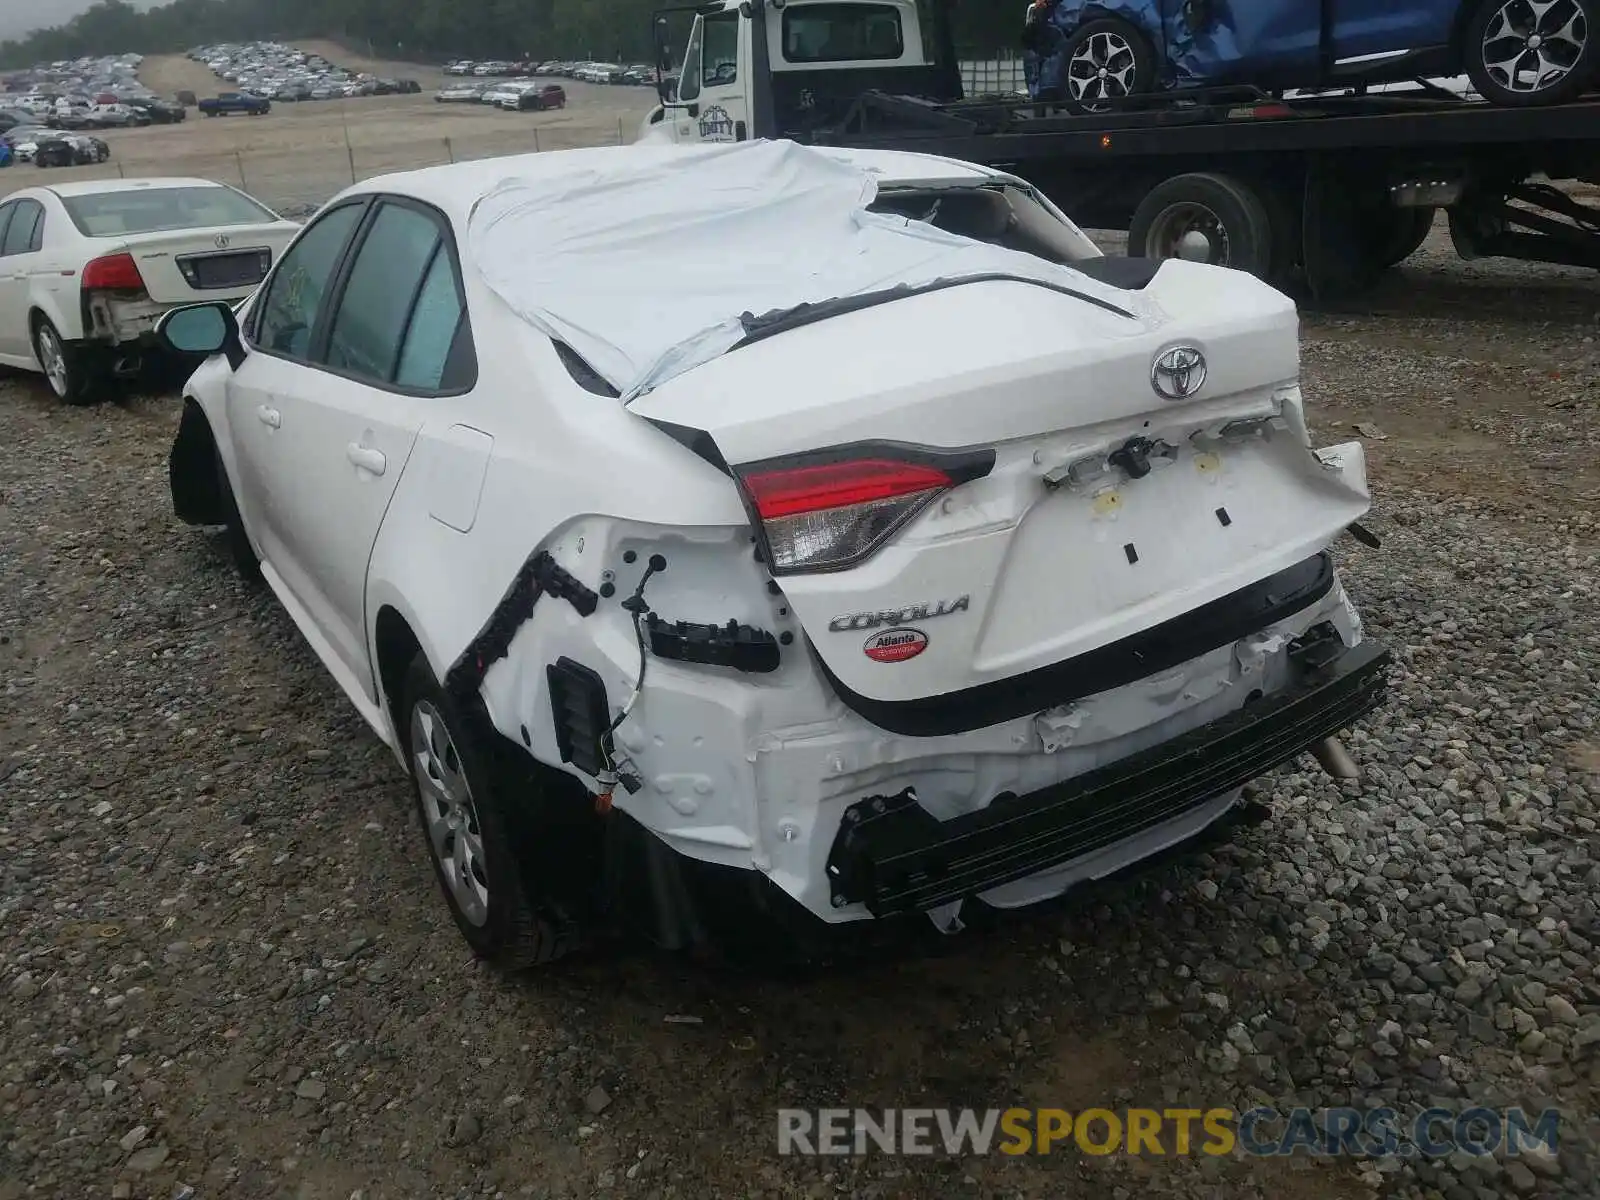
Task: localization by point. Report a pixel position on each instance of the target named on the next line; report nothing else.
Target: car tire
(1119, 54)
(469, 840)
(1569, 33)
(68, 371)
(245, 560)
(1232, 222)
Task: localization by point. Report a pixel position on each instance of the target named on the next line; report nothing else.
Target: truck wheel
(1106, 59)
(1205, 218)
(463, 821)
(1398, 233)
(1523, 53)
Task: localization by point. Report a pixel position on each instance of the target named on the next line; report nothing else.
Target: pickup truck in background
(234, 102)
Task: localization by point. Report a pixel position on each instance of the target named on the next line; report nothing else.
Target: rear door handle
(366, 458)
(269, 416)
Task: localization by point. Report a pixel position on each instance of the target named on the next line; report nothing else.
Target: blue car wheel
(1103, 63)
(1522, 53)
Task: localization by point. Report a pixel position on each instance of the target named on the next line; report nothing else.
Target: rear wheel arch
(394, 646)
(37, 316)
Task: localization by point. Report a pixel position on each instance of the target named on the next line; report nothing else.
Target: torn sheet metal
(643, 265)
(1196, 41)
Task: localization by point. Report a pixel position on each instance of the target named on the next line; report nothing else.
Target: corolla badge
(899, 616)
(1178, 373)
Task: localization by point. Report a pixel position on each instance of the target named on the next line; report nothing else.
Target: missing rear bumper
(895, 857)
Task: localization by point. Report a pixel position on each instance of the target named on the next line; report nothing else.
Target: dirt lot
(224, 965)
(300, 154)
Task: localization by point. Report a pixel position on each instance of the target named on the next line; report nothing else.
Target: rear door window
(25, 233)
(384, 285)
(437, 352)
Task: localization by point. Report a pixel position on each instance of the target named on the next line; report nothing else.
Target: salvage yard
(225, 966)
(299, 154)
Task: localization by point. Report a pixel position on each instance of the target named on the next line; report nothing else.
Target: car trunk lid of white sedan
(194, 265)
(956, 488)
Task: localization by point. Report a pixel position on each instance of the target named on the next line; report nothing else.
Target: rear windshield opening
(1005, 216)
(110, 214)
(821, 33)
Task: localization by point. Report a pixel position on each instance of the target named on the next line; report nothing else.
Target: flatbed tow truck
(1321, 192)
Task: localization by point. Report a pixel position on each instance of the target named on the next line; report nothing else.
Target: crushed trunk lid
(1083, 504)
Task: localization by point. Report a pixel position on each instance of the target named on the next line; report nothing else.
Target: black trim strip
(540, 574)
(1160, 648)
(765, 325)
(896, 857)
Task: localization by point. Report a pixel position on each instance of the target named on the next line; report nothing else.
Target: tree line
(408, 30)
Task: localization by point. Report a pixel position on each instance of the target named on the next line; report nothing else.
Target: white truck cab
(724, 68)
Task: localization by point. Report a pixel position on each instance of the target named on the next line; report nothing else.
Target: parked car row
(641, 74)
(518, 95)
(88, 94)
(272, 71)
(44, 147)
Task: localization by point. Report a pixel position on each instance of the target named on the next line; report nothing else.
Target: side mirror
(667, 90)
(663, 45)
(203, 329)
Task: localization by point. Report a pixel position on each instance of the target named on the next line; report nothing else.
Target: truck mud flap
(896, 857)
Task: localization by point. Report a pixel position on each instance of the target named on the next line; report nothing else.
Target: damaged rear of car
(965, 568)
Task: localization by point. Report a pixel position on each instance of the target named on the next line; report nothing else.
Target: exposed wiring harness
(636, 606)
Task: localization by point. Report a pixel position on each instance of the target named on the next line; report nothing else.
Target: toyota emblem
(222, 244)
(1178, 373)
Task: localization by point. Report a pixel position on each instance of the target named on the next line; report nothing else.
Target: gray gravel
(223, 966)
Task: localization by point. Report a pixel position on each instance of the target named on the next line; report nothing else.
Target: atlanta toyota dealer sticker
(895, 645)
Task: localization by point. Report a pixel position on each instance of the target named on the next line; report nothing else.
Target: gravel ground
(224, 967)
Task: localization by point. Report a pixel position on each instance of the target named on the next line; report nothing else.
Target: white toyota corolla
(757, 537)
(87, 267)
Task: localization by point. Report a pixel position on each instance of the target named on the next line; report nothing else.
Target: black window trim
(7, 210)
(258, 299)
(341, 277)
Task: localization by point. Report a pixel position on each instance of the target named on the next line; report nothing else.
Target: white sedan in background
(86, 269)
(916, 554)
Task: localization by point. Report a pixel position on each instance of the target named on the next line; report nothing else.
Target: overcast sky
(19, 16)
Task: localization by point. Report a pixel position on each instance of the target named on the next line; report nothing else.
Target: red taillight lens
(828, 516)
(113, 273)
(797, 490)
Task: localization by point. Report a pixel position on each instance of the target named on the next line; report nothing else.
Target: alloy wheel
(1533, 45)
(1103, 68)
(53, 358)
(449, 814)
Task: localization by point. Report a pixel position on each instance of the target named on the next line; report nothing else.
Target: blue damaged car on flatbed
(1517, 53)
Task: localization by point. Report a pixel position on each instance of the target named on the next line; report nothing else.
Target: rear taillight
(113, 273)
(830, 515)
